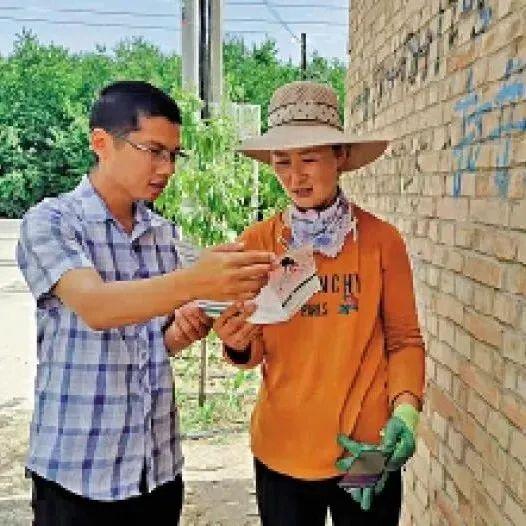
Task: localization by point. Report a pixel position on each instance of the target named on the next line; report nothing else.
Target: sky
(328, 36)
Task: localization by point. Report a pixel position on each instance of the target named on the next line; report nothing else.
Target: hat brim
(365, 148)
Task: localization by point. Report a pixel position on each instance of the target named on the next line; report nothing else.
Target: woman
(350, 364)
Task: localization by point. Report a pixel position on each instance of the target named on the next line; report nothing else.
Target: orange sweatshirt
(337, 365)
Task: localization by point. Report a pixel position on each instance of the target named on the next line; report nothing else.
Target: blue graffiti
(502, 178)
(466, 153)
(485, 15)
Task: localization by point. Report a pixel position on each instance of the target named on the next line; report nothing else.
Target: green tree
(47, 92)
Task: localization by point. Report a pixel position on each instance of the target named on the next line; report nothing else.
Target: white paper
(290, 286)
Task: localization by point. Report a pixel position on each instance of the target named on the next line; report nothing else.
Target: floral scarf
(325, 229)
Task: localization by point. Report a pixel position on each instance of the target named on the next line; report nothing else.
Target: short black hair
(123, 103)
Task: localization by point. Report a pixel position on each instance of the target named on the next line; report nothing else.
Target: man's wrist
(188, 285)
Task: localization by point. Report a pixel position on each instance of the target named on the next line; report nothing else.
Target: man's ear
(100, 143)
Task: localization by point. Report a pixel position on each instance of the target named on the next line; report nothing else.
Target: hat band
(305, 111)
(304, 122)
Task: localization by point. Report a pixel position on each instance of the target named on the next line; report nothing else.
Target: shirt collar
(95, 210)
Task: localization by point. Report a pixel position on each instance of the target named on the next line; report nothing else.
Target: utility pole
(190, 48)
(216, 51)
(304, 56)
(205, 16)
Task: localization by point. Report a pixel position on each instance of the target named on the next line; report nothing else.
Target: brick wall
(447, 80)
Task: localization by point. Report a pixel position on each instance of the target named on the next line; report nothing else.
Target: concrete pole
(190, 45)
(303, 56)
(216, 50)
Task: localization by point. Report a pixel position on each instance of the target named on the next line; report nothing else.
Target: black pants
(55, 506)
(286, 501)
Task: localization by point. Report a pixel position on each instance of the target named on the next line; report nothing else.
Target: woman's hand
(234, 330)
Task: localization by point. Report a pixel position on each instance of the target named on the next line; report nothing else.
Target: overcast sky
(329, 37)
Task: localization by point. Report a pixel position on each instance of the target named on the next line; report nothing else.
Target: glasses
(158, 154)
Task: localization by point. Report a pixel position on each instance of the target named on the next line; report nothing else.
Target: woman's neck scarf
(325, 229)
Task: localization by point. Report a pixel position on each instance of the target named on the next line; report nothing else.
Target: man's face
(137, 163)
(309, 175)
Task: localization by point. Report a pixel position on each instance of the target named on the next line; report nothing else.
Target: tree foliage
(47, 91)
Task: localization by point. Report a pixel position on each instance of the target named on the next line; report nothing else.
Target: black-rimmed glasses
(158, 154)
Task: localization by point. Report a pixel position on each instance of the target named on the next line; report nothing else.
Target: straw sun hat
(304, 114)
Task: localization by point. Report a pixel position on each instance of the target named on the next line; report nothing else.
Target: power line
(290, 6)
(165, 15)
(82, 23)
(283, 24)
(171, 14)
(69, 10)
(109, 24)
(289, 22)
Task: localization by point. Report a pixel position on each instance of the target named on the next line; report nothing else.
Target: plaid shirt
(104, 400)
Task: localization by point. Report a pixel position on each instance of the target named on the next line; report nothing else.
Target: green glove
(363, 496)
(354, 448)
(398, 436)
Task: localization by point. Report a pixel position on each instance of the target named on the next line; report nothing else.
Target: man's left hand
(190, 325)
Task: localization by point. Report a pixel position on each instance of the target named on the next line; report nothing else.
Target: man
(104, 444)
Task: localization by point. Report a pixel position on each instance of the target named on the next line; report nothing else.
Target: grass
(230, 392)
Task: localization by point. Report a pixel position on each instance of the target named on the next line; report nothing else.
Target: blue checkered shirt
(104, 400)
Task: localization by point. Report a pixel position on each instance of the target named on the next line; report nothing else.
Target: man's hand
(227, 272)
(190, 325)
(234, 330)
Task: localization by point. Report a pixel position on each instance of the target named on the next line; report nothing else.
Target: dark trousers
(55, 506)
(286, 501)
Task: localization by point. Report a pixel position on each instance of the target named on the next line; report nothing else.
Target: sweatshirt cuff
(238, 357)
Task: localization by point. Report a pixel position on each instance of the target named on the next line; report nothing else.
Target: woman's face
(309, 175)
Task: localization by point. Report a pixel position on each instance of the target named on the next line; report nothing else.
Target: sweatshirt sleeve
(252, 356)
(404, 344)
(249, 358)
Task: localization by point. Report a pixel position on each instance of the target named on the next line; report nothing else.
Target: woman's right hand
(234, 330)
